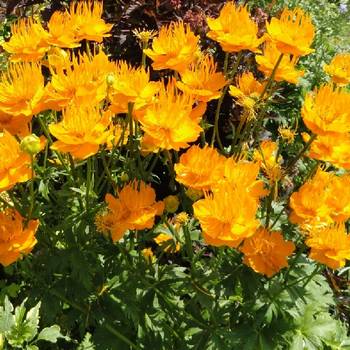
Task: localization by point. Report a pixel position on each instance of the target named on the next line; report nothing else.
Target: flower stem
(299, 155)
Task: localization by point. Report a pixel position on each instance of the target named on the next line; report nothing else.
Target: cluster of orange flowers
(89, 91)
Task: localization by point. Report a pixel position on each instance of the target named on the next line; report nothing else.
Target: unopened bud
(193, 194)
(171, 203)
(110, 79)
(124, 177)
(30, 144)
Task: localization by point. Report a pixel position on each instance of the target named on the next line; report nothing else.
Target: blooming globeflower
(286, 70)
(16, 237)
(200, 168)
(61, 33)
(175, 47)
(22, 91)
(202, 80)
(14, 163)
(170, 122)
(81, 80)
(330, 246)
(326, 111)
(86, 20)
(28, 41)
(234, 29)
(134, 208)
(81, 132)
(227, 216)
(339, 69)
(131, 85)
(266, 252)
(292, 33)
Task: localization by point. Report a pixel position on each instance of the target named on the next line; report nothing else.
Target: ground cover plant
(172, 180)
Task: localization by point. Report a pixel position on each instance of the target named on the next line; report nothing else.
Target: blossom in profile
(202, 80)
(170, 122)
(200, 168)
(321, 201)
(28, 41)
(22, 90)
(81, 132)
(15, 125)
(330, 246)
(243, 174)
(286, 70)
(339, 69)
(167, 242)
(17, 238)
(292, 33)
(131, 85)
(247, 90)
(134, 208)
(234, 29)
(326, 111)
(227, 216)
(334, 149)
(61, 33)
(15, 165)
(175, 47)
(80, 80)
(86, 20)
(266, 252)
(270, 162)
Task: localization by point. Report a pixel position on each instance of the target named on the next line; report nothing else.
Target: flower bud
(110, 79)
(193, 194)
(124, 177)
(171, 204)
(30, 144)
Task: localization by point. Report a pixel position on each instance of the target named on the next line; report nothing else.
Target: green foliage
(19, 329)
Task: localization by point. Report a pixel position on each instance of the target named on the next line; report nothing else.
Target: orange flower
(339, 69)
(14, 164)
(201, 80)
(81, 81)
(86, 20)
(131, 85)
(61, 32)
(135, 208)
(81, 132)
(28, 41)
(326, 111)
(227, 216)
(243, 174)
(18, 126)
(321, 201)
(286, 69)
(330, 246)
(168, 242)
(266, 155)
(200, 168)
(292, 33)
(247, 91)
(170, 122)
(22, 90)
(267, 252)
(15, 238)
(175, 47)
(234, 37)
(334, 149)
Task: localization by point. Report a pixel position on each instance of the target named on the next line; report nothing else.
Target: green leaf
(7, 320)
(50, 334)
(87, 343)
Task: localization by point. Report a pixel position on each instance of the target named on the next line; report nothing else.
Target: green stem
(88, 183)
(31, 189)
(303, 150)
(218, 107)
(105, 325)
(171, 170)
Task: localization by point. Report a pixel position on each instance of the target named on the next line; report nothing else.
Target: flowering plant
(140, 213)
